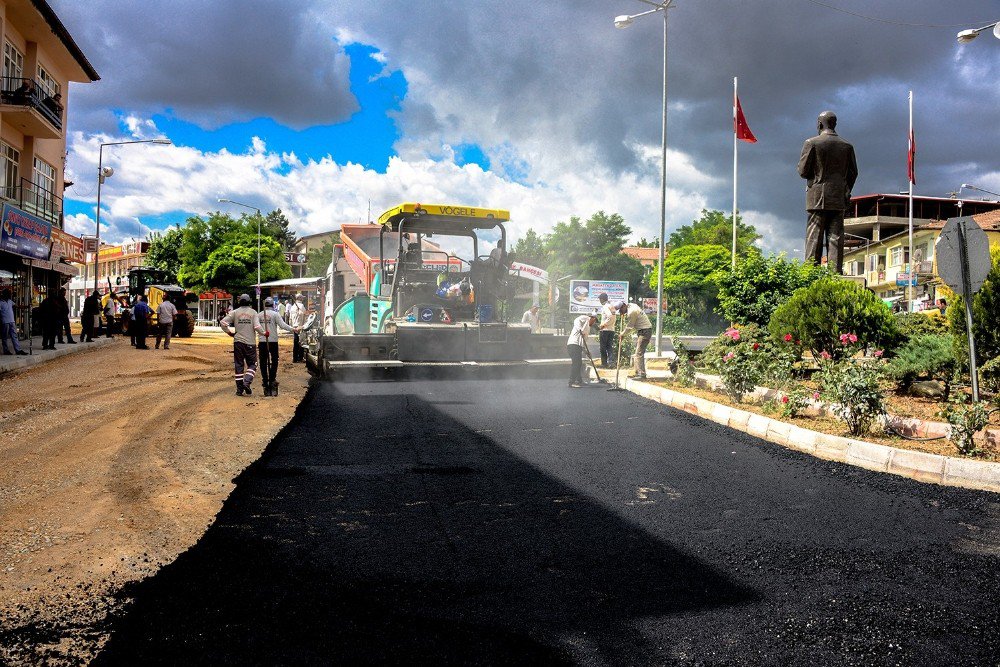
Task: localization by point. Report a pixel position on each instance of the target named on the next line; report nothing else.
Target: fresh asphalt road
(521, 522)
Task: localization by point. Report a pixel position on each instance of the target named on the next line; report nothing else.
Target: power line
(891, 21)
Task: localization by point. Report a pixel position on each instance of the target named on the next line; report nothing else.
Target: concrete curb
(920, 466)
(13, 364)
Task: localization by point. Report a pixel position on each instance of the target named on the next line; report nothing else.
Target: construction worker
(609, 316)
(271, 320)
(297, 318)
(246, 325)
(637, 321)
(574, 346)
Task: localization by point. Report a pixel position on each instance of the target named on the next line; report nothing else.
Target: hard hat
(244, 297)
(268, 302)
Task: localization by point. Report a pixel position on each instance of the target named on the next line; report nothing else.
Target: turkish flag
(740, 126)
(911, 159)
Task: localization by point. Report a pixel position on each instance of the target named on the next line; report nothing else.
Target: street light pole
(101, 175)
(624, 22)
(969, 186)
(967, 36)
(259, 218)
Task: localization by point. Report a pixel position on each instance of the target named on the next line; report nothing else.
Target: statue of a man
(830, 169)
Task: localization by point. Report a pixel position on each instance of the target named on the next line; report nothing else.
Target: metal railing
(30, 93)
(36, 200)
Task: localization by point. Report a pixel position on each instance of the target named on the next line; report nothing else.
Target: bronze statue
(830, 169)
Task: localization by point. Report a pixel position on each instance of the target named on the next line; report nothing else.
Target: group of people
(635, 321)
(53, 314)
(245, 325)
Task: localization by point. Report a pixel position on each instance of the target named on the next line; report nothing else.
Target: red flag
(740, 126)
(911, 159)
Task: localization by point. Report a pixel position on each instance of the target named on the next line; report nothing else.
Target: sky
(324, 108)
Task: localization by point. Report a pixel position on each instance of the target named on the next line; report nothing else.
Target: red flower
(825, 355)
(879, 353)
(756, 346)
(788, 338)
(784, 399)
(815, 395)
(853, 338)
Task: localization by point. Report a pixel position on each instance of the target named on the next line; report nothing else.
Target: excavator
(398, 294)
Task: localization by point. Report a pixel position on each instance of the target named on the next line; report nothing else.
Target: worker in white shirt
(574, 346)
(530, 318)
(609, 317)
(637, 321)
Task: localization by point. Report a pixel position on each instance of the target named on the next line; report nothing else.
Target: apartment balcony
(36, 200)
(25, 105)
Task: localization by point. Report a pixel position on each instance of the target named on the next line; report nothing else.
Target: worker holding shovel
(575, 346)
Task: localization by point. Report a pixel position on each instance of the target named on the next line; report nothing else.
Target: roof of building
(989, 221)
(904, 196)
(647, 254)
(63, 34)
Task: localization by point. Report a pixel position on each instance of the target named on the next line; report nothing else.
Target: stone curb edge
(920, 466)
(21, 363)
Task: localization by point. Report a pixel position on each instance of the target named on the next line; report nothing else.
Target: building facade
(113, 265)
(885, 264)
(40, 60)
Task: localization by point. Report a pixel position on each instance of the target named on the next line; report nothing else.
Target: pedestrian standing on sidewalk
(7, 327)
(47, 318)
(165, 314)
(91, 307)
(110, 313)
(142, 313)
(62, 318)
(607, 331)
(271, 320)
(530, 318)
(245, 323)
(636, 320)
(574, 346)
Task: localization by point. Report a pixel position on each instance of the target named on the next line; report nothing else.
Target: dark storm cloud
(558, 74)
(562, 67)
(211, 62)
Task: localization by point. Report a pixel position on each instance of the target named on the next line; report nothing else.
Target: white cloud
(153, 180)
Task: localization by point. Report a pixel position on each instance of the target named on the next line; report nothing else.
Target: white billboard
(583, 294)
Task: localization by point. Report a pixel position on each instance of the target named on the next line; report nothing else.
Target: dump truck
(151, 282)
(399, 294)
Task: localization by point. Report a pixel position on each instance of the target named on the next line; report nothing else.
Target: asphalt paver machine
(398, 293)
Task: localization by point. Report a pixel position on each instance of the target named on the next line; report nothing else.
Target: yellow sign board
(444, 211)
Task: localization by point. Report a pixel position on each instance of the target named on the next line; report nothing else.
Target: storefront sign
(90, 245)
(295, 258)
(903, 279)
(66, 246)
(24, 234)
(583, 294)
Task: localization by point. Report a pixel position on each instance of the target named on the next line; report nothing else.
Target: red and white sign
(66, 246)
(528, 271)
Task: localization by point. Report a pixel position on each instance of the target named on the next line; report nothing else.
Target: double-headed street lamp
(967, 36)
(624, 21)
(103, 173)
(259, 217)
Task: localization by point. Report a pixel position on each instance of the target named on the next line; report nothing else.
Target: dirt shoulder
(112, 462)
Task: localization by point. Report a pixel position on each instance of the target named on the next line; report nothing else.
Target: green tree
(593, 250)
(715, 228)
(691, 276)
(233, 265)
(318, 259)
(222, 252)
(760, 284)
(164, 251)
(818, 314)
(276, 225)
(530, 249)
(643, 243)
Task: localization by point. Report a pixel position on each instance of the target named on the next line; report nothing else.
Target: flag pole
(912, 272)
(735, 142)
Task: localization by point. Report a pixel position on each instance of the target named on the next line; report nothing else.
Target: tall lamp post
(260, 216)
(624, 21)
(103, 173)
